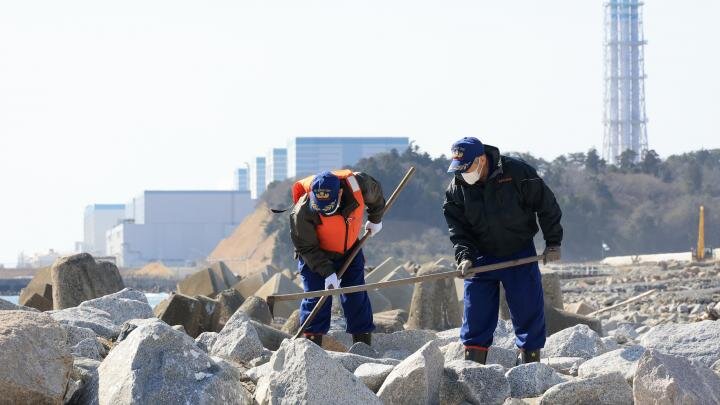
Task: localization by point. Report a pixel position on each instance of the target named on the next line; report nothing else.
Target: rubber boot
(530, 356)
(478, 355)
(317, 339)
(362, 337)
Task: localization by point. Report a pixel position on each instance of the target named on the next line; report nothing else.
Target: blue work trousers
(524, 293)
(356, 306)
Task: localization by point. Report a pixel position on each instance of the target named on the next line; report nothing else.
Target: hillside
(249, 248)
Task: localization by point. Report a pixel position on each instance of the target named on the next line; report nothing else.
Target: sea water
(153, 298)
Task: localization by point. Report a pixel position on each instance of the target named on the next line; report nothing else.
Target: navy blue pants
(524, 293)
(356, 306)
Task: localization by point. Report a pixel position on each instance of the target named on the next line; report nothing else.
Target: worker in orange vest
(325, 224)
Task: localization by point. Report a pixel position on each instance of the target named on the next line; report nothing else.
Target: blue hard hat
(464, 153)
(324, 192)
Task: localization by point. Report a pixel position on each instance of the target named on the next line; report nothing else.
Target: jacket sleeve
(305, 240)
(538, 197)
(373, 195)
(458, 227)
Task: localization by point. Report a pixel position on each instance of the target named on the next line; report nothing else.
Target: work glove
(463, 268)
(551, 254)
(374, 229)
(332, 281)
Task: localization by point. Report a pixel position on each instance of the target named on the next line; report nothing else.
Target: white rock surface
(577, 341)
(416, 380)
(405, 341)
(667, 379)
(35, 362)
(97, 320)
(699, 341)
(625, 332)
(607, 389)
(301, 372)
(469, 382)
(237, 341)
(352, 361)
(89, 348)
(123, 305)
(532, 379)
(373, 374)
(623, 361)
(157, 364)
(565, 365)
(206, 340)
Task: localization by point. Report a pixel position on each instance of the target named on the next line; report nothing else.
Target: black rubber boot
(362, 337)
(530, 356)
(317, 339)
(476, 355)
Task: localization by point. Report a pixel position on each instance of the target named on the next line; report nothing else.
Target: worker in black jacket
(492, 208)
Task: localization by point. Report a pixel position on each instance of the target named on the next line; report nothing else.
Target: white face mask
(472, 177)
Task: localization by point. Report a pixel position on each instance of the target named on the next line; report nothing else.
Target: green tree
(593, 162)
(626, 160)
(651, 163)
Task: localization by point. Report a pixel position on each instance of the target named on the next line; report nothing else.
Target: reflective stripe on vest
(336, 233)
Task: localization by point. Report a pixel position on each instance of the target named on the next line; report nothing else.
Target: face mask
(471, 177)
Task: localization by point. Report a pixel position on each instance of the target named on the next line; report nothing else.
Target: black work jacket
(499, 216)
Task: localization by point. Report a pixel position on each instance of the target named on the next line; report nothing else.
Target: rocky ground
(114, 350)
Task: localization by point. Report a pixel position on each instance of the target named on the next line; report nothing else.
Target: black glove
(551, 254)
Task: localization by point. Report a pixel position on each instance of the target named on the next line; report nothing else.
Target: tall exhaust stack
(624, 118)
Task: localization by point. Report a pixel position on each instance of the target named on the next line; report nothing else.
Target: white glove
(463, 267)
(374, 229)
(332, 282)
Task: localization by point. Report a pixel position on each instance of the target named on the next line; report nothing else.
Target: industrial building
(242, 179)
(98, 219)
(625, 120)
(310, 155)
(257, 177)
(276, 165)
(177, 228)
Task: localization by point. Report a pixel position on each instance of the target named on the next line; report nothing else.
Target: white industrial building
(176, 227)
(98, 219)
(275, 165)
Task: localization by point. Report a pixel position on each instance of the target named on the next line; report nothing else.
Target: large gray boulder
(390, 321)
(238, 340)
(504, 335)
(157, 364)
(666, 379)
(270, 337)
(469, 382)
(623, 361)
(105, 315)
(434, 304)
(206, 340)
(373, 374)
(416, 380)
(363, 349)
(565, 365)
(179, 309)
(257, 309)
(532, 379)
(97, 320)
(36, 362)
(558, 319)
(352, 361)
(699, 341)
(38, 293)
(122, 306)
(577, 341)
(79, 278)
(301, 372)
(607, 389)
(408, 341)
(228, 301)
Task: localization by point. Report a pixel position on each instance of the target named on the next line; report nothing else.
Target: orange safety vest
(335, 232)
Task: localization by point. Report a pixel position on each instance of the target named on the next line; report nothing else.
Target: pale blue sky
(101, 100)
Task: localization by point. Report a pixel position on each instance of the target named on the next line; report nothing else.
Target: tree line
(637, 206)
